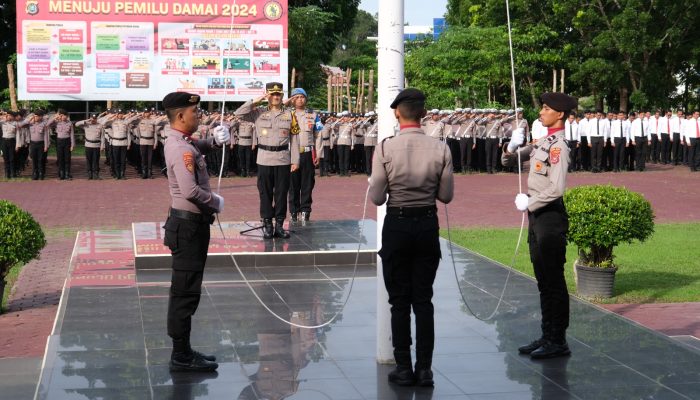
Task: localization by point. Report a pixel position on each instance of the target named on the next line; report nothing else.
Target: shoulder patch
(188, 159)
(554, 154)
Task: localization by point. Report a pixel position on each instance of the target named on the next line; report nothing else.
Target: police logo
(194, 99)
(32, 7)
(273, 10)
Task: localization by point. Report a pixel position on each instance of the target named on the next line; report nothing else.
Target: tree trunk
(624, 99)
(370, 93)
(533, 95)
(11, 80)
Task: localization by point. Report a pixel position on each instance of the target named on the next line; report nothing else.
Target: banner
(142, 50)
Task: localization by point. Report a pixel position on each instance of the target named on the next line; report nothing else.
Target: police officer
(65, 143)
(148, 142)
(39, 130)
(10, 142)
(94, 143)
(371, 136)
(245, 132)
(303, 180)
(549, 161)
(187, 227)
(410, 238)
(323, 145)
(277, 134)
(493, 136)
(120, 141)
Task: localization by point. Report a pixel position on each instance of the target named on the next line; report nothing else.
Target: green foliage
(603, 216)
(21, 237)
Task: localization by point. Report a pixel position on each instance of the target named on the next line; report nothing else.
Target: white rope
(520, 190)
(223, 102)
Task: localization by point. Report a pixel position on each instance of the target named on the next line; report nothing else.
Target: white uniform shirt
(691, 129)
(639, 129)
(663, 125)
(620, 128)
(676, 124)
(571, 132)
(599, 128)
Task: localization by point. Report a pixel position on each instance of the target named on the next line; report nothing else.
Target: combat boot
(294, 217)
(279, 229)
(268, 231)
(402, 375)
(423, 372)
(305, 216)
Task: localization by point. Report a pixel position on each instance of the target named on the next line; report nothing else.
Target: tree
(305, 54)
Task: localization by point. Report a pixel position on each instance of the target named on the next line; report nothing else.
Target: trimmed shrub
(21, 237)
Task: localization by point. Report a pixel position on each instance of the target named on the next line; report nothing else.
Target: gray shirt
(413, 169)
(94, 134)
(274, 129)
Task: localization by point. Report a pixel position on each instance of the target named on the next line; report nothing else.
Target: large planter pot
(595, 282)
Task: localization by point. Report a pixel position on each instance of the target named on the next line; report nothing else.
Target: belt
(245, 137)
(36, 142)
(493, 137)
(273, 148)
(371, 135)
(326, 138)
(425, 211)
(304, 149)
(190, 216)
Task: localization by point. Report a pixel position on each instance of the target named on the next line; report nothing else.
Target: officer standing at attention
(94, 143)
(11, 142)
(277, 133)
(187, 227)
(65, 143)
(303, 180)
(410, 249)
(549, 223)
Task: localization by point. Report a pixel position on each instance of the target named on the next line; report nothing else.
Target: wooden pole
(13, 92)
(347, 88)
(370, 94)
(109, 104)
(336, 90)
(329, 95)
(554, 80)
(292, 85)
(361, 96)
(561, 85)
(358, 107)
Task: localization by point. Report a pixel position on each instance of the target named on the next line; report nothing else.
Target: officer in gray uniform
(39, 130)
(277, 134)
(493, 137)
(187, 227)
(10, 143)
(323, 145)
(94, 143)
(371, 136)
(344, 129)
(303, 180)
(65, 143)
(146, 133)
(245, 134)
(549, 223)
(121, 141)
(413, 181)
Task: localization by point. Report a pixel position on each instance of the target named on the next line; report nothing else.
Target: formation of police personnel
(619, 141)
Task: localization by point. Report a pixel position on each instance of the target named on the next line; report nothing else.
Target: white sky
(416, 12)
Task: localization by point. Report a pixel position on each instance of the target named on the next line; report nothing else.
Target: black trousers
(597, 153)
(333, 159)
(619, 154)
(325, 160)
(146, 152)
(573, 152)
(119, 160)
(8, 155)
(491, 154)
(92, 156)
(481, 154)
(369, 153)
(640, 152)
(547, 239)
(453, 145)
(358, 158)
(188, 242)
(465, 153)
(245, 159)
(585, 154)
(64, 157)
(665, 148)
(676, 149)
(273, 186)
(38, 155)
(343, 159)
(410, 256)
(608, 156)
(302, 184)
(653, 151)
(694, 154)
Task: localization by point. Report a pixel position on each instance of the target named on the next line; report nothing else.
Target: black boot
(403, 374)
(184, 359)
(89, 175)
(534, 345)
(423, 373)
(554, 346)
(305, 216)
(294, 217)
(268, 230)
(279, 229)
(61, 174)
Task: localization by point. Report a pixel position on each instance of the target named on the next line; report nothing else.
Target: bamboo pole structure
(13, 92)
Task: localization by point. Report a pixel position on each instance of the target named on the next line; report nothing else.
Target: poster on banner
(142, 50)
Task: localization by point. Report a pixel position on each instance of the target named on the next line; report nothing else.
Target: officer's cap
(409, 95)
(61, 111)
(274, 87)
(519, 110)
(40, 113)
(14, 113)
(559, 101)
(467, 110)
(146, 110)
(176, 100)
(298, 91)
(434, 111)
(93, 116)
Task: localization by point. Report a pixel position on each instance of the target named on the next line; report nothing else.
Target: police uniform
(94, 142)
(548, 227)
(187, 233)
(493, 138)
(148, 142)
(323, 148)
(11, 143)
(245, 134)
(39, 144)
(120, 142)
(410, 249)
(371, 136)
(302, 181)
(344, 133)
(277, 134)
(65, 142)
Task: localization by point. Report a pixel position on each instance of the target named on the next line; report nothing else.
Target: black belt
(245, 137)
(273, 148)
(190, 216)
(36, 142)
(326, 138)
(425, 211)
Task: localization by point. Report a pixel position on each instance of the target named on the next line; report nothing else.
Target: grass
(664, 269)
(78, 150)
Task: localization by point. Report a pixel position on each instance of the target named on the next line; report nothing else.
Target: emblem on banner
(273, 10)
(32, 7)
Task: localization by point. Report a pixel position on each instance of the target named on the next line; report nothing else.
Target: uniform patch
(188, 158)
(538, 166)
(554, 155)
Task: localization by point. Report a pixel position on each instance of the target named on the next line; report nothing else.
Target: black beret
(409, 95)
(40, 113)
(559, 101)
(274, 87)
(175, 100)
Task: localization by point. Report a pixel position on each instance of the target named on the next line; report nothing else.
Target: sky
(416, 12)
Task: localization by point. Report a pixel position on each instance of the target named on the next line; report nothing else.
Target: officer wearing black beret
(548, 221)
(410, 249)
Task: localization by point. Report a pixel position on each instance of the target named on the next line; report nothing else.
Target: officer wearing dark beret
(548, 221)
(410, 249)
(187, 227)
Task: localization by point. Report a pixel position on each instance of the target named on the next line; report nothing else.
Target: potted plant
(21, 239)
(600, 218)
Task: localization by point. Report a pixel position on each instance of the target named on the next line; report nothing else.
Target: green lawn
(664, 269)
